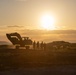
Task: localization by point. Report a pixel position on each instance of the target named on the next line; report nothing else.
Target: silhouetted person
(41, 45)
(44, 45)
(34, 45)
(38, 45)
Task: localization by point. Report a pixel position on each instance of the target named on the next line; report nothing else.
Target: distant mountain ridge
(4, 43)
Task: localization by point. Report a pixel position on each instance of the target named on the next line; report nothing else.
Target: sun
(48, 22)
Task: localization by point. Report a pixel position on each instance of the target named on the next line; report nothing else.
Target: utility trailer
(19, 41)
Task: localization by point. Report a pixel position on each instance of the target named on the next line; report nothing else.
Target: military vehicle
(19, 41)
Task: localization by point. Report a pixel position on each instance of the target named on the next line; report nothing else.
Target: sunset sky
(24, 16)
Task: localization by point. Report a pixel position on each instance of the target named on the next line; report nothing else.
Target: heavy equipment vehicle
(19, 41)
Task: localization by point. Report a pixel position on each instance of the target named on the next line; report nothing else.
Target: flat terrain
(37, 62)
(54, 70)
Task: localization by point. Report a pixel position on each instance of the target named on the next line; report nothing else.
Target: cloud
(48, 36)
(14, 26)
(41, 35)
(54, 32)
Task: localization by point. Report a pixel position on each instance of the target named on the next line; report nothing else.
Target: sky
(24, 16)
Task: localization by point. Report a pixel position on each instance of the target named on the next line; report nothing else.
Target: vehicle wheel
(17, 47)
(27, 47)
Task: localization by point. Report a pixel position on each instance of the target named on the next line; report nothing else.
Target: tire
(27, 47)
(17, 47)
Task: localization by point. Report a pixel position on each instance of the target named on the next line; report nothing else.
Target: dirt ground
(37, 62)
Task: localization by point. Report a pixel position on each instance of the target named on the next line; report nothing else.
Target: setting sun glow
(47, 22)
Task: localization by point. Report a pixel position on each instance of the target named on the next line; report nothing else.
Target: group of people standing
(38, 45)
